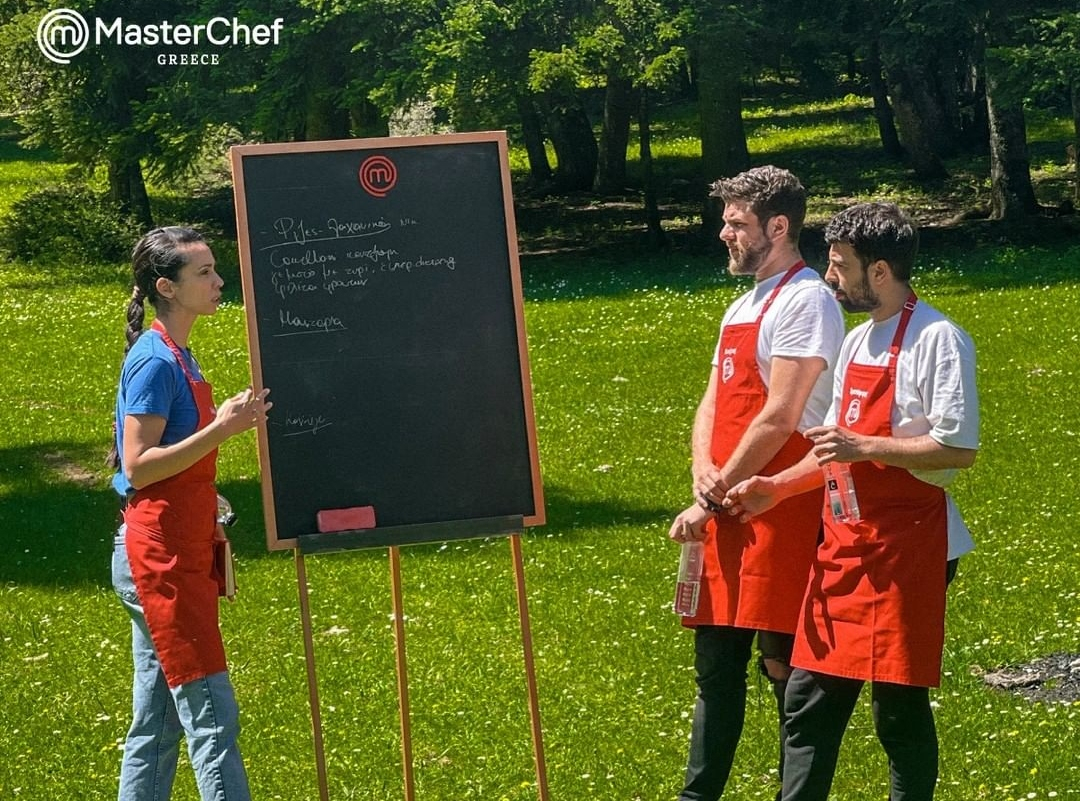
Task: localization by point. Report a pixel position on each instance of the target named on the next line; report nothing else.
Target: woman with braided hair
(167, 435)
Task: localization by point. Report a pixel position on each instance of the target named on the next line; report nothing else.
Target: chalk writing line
(305, 240)
(312, 331)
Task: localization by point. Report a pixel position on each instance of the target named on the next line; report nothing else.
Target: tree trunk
(1075, 93)
(975, 127)
(943, 80)
(615, 134)
(127, 190)
(723, 139)
(916, 121)
(1011, 193)
(883, 113)
(532, 131)
(365, 120)
(464, 109)
(323, 118)
(652, 209)
(576, 152)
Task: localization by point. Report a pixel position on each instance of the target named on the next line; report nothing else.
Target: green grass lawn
(620, 354)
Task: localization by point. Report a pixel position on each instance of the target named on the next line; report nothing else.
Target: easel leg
(402, 672)
(313, 684)
(530, 668)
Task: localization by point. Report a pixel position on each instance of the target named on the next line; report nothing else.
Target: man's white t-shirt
(804, 321)
(935, 391)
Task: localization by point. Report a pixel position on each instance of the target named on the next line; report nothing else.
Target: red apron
(875, 605)
(755, 573)
(169, 541)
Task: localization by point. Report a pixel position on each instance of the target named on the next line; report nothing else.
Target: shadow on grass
(571, 518)
(570, 514)
(59, 519)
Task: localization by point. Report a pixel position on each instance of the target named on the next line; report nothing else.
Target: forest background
(576, 82)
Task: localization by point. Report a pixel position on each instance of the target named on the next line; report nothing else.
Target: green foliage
(558, 71)
(118, 105)
(67, 223)
(640, 40)
(1045, 59)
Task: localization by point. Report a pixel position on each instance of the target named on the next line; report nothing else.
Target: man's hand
(689, 524)
(835, 444)
(751, 497)
(711, 486)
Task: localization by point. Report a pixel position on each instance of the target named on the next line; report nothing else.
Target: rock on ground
(1052, 679)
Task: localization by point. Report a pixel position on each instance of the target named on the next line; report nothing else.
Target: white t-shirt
(804, 321)
(935, 391)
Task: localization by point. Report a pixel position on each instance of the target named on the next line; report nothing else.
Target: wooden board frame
(438, 530)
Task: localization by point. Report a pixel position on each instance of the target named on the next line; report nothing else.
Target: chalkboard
(384, 312)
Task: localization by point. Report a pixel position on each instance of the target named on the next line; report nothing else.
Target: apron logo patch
(854, 409)
(727, 369)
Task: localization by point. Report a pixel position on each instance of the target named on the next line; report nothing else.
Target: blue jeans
(204, 711)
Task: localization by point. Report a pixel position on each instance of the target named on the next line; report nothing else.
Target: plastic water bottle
(841, 488)
(688, 586)
(225, 514)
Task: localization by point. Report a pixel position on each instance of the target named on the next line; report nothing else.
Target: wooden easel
(402, 672)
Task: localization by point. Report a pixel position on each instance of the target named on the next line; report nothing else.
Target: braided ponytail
(136, 317)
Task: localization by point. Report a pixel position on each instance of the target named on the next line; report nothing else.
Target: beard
(748, 261)
(858, 299)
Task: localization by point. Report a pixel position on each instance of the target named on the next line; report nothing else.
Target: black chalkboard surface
(384, 312)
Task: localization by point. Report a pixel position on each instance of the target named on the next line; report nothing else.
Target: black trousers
(817, 709)
(722, 654)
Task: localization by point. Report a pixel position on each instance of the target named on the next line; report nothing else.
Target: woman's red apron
(170, 532)
(755, 573)
(875, 605)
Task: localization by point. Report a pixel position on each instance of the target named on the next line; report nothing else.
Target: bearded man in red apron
(771, 379)
(905, 416)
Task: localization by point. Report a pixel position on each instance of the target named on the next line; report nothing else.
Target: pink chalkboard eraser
(350, 519)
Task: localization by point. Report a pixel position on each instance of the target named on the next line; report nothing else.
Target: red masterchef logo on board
(378, 175)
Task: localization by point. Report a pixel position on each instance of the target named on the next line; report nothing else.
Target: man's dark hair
(877, 231)
(769, 192)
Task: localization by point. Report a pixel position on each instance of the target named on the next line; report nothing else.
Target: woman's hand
(147, 461)
(243, 411)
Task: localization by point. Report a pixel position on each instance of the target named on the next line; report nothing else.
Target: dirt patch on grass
(68, 470)
(1051, 679)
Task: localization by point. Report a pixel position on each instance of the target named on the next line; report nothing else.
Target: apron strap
(157, 326)
(898, 337)
(776, 290)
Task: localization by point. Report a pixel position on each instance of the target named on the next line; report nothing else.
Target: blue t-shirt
(152, 382)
